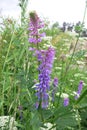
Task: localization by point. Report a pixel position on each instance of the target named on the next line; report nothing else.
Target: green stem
(8, 51)
(3, 71)
(79, 122)
(70, 62)
(84, 13)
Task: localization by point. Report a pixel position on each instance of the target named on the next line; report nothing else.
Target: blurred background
(54, 10)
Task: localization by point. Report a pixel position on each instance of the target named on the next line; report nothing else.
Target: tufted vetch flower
(46, 58)
(35, 25)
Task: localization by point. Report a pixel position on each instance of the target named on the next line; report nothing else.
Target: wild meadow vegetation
(43, 74)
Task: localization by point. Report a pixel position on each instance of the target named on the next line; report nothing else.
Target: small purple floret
(79, 90)
(55, 84)
(66, 101)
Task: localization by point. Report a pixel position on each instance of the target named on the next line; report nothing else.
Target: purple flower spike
(66, 101)
(55, 84)
(34, 26)
(46, 58)
(79, 90)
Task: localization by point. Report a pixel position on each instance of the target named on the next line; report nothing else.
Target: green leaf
(63, 117)
(82, 96)
(35, 122)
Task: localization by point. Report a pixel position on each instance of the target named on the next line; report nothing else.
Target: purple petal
(66, 102)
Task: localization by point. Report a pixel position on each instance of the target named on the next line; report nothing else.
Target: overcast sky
(54, 10)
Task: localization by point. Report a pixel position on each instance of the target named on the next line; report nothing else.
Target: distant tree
(64, 24)
(63, 28)
(78, 27)
(55, 25)
(70, 26)
(84, 33)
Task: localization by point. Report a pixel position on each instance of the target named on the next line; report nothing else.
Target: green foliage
(23, 5)
(55, 25)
